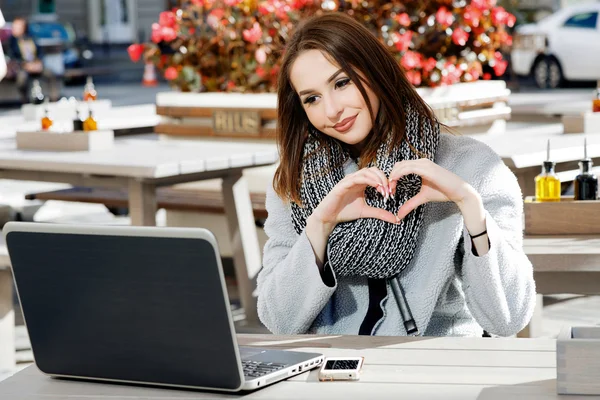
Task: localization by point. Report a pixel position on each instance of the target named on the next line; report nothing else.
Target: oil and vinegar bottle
(547, 184)
(586, 183)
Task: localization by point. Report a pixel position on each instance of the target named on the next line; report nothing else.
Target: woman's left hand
(438, 185)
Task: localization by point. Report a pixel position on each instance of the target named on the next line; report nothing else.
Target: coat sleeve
(291, 289)
(499, 286)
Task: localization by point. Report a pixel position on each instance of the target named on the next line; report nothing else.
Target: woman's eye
(342, 82)
(310, 99)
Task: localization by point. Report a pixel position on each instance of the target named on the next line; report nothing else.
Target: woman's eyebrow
(332, 77)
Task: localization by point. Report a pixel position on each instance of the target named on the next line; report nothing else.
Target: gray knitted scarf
(367, 247)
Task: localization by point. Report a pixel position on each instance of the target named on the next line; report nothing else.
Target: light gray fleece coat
(451, 292)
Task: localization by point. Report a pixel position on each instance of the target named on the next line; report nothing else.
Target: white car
(562, 46)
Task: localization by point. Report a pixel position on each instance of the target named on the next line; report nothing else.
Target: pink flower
(198, 3)
(402, 42)
(168, 34)
(414, 77)
(483, 4)
(265, 8)
(167, 18)
(460, 37)
(474, 72)
(444, 17)
(260, 55)
(410, 60)
(499, 16)
(500, 67)
(429, 64)
(403, 19)
(252, 35)
(472, 15)
(232, 3)
(171, 73)
(511, 20)
(215, 17)
(156, 35)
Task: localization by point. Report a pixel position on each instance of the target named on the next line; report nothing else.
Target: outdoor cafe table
(562, 264)
(142, 165)
(394, 368)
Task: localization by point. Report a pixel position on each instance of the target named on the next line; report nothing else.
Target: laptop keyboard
(256, 369)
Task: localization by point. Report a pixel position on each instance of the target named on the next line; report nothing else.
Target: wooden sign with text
(242, 122)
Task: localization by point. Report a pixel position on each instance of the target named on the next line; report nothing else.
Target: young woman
(378, 223)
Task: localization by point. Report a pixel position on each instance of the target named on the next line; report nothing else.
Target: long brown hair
(354, 48)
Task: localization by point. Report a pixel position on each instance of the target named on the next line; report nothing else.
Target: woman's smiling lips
(345, 124)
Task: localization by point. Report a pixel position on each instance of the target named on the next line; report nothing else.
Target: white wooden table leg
(7, 322)
(244, 242)
(534, 328)
(142, 203)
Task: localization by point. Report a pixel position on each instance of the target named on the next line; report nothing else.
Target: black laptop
(136, 305)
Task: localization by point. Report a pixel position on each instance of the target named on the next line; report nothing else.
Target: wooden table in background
(562, 264)
(394, 368)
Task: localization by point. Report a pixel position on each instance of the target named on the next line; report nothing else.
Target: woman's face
(332, 102)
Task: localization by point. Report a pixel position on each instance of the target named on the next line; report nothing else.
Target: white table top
(395, 367)
(526, 147)
(141, 158)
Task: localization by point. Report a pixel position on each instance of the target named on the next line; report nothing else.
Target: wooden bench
(170, 198)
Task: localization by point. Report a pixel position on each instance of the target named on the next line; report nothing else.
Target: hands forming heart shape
(346, 201)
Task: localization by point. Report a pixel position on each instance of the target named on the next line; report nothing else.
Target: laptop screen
(127, 308)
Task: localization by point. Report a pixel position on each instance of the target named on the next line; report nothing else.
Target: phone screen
(341, 364)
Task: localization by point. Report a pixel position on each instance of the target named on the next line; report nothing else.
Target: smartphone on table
(341, 369)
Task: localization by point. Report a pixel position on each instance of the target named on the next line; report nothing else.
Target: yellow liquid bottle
(90, 123)
(46, 121)
(547, 184)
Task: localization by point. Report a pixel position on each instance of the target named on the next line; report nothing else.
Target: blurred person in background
(2, 59)
(28, 56)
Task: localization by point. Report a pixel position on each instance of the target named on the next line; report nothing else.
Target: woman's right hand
(346, 201)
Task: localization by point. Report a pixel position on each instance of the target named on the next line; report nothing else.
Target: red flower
(487, 76)
(167, 18)
(475, 73)
(260, 71)
(171, 73)
(403, 19)
(168, 34)
(156, 35)
(252, 35)
(499, 16)
(460, 37)
(414, 77)
(483, 4)
(444, 17)
(472, 15)
(505, 38)
(135, 52)
(500, 67)
(410, 60)
(510, 20)
(429, 64)
(198, 3)
(266, 8)
(402, 42)
(230, 86)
